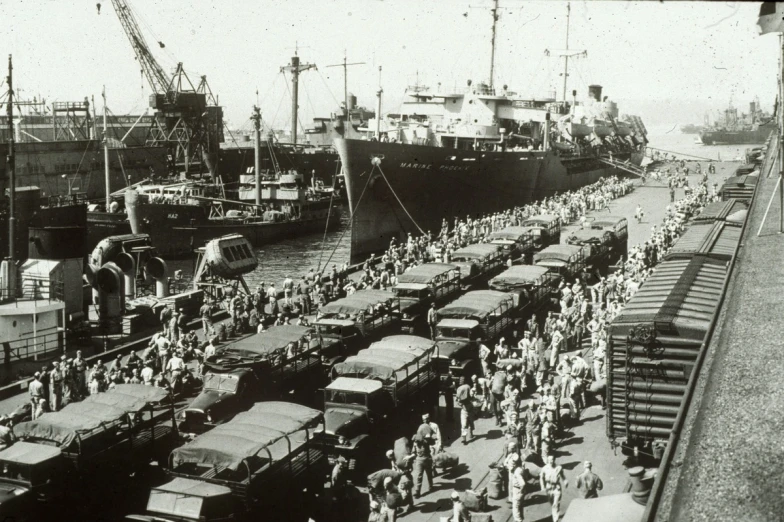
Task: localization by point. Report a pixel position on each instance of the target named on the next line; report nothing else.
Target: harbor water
(294, 257)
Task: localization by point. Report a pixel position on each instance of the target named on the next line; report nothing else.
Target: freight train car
(653, 347)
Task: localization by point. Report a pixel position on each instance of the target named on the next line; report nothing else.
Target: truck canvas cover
(268, 342)
(477, 251)
(425, 273)
(358, 302)
(79, 419)
(249, 436)
(385, 362)
(518, 276)
(30, 454)
(557, 255)
(541, 219)
(509, 234)
(475, 305)
(603, 222)
(590, 236)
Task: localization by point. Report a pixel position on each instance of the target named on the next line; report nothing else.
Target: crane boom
(156, 77)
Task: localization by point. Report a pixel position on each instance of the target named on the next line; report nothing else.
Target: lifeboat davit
(230, 256)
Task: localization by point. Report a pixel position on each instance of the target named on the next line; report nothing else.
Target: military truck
(417, 288)
(517, 241)
(481, 316)
(266, 463)
(358, 318)
(376, 392)
(70, 455)
(479, 262)
(546, 229)
(266, 365)
(530, 286)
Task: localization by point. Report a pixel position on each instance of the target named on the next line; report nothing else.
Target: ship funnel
(156, 269)
(352, 102)
(131, 204)
(595, 92)
(111, 298)
(127, 264)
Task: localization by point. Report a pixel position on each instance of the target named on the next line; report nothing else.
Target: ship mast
(345, 66)
(107, 179)
(566, 56)
(11, 167)
(256, 151)
(295, 68)
(494, 12)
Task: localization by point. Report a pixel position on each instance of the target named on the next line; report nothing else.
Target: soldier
(589, 482)
(432, 320)
(552, 481)
(464, 395)
(36, 390)
(511, 463)
(56, 380)
(423, 465)
(547, 438)
(533, 428)
(459, 511)
(518, 492)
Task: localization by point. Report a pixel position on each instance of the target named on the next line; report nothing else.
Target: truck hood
(448, 349)
(336, 420)
(10, 496)
(207, 399)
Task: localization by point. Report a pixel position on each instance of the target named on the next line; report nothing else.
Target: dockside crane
(188, 119)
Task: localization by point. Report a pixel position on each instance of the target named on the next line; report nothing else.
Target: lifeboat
(602, 128)
(230, 256)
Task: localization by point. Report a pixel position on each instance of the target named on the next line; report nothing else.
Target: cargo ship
(733, 128)
(474, 152)
(690, 128)
(180, 216)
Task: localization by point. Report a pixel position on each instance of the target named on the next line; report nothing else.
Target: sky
(668, 62)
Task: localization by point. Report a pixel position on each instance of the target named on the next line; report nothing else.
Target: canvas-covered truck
(71, 454)
(359, 317)
(599, 252)
(517, 241)
(266, 463)
(376, 393)
(530, 286)
(479, 262)
(481, 316)
(618, 226)
(567, 260)
(421, 286)
(266, 365)
(546, 229)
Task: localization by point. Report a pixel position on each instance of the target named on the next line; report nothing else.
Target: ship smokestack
(546, 141)
(595, 92)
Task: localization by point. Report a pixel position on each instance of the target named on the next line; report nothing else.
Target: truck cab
(422, 285)
(30, 474)
(353, 408)
(185, 499)
(357, 317)
(222, 396)
(458, 351)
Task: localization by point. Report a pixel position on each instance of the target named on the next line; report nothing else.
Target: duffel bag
(402, 450)
(376, 480)
(445, 460)
(475, 500)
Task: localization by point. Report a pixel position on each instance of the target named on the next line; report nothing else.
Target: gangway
(627, 166)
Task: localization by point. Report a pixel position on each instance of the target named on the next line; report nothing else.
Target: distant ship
(690, 128)
(467, 153)
(738, 129)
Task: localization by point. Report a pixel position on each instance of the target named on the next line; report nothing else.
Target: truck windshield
(346, 397)
(454, 333)
(220, 383)
(15, 471)
(175, 504)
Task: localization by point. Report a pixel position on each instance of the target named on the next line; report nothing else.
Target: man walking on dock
(552, 482)
(589, 482)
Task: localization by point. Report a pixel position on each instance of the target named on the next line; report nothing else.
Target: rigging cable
(351, 217)
(401, 203)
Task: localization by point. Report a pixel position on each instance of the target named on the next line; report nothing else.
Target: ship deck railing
(33, 288)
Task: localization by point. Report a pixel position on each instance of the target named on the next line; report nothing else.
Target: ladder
(625, 166)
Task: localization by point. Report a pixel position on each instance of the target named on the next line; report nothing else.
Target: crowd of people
(537, 386)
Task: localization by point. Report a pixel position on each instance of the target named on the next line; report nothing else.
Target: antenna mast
(11, 167)
(494, 12)
(566, 56)
(345, 66)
